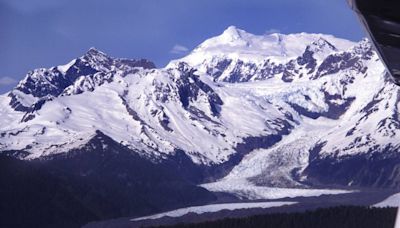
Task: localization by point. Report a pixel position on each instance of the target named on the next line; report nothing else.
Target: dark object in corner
(381, 19)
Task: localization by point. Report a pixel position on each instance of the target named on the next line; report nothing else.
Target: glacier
(293, 111)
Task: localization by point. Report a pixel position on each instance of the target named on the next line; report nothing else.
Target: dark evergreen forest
(336, 217)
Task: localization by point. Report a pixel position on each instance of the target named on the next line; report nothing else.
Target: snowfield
(214, 208)
(391, 201)
(247, 190)
(266, 107)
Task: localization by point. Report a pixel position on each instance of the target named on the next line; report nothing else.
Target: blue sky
(43, 33)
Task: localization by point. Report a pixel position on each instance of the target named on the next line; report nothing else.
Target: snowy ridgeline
(272, 99)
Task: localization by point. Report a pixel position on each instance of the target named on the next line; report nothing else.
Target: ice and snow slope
(270, 110)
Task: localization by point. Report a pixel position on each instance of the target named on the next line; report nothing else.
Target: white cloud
(7, 81)
(179, 49)
(272, 30)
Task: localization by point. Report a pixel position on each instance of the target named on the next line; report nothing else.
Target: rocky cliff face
(294, 110)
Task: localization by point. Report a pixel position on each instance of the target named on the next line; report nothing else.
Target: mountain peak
(233, 33)
(231, 30)
(93, 52)
(235, 43)
(322, 43)
(97, 59)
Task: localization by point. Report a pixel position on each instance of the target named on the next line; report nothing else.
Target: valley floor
(343, 217)
(239, 208)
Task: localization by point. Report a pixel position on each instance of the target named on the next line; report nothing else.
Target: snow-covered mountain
(259, 110)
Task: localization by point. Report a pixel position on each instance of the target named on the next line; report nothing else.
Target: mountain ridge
(224, 104)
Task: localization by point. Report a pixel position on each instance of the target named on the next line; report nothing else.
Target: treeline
(336, 217)
(90, 184)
